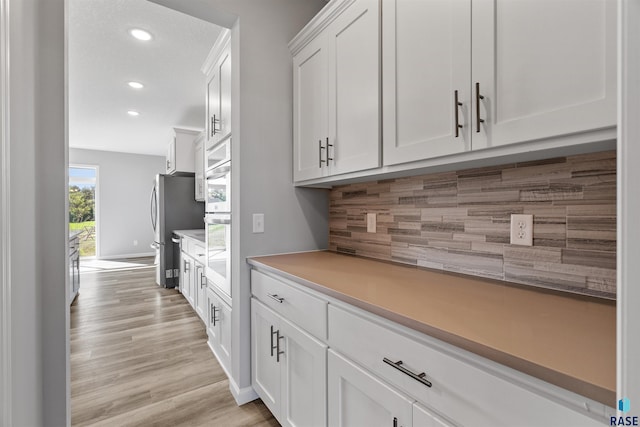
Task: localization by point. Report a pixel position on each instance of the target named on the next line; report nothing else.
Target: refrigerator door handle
(154, 208)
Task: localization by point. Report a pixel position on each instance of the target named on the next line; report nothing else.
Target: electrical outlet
(522, 230)
(371, 223)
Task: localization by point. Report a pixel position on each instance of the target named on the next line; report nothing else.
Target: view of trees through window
(82, 205)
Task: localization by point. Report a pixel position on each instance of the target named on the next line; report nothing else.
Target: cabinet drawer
(301, 308)
(466, 393)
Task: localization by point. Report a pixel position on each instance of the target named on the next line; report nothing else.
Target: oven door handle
(210, 220)
(219, 171)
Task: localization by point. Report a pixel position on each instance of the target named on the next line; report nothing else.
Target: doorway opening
(82, 207)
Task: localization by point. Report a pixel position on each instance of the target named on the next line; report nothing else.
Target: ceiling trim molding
(319, 22)
(220, 45)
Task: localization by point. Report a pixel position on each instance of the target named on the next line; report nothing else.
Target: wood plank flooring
(139, 357)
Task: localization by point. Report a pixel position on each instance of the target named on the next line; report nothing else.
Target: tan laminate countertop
(567, 340)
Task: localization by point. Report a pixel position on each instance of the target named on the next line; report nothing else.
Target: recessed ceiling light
(133, 113)
(136, 85)
(140, 34)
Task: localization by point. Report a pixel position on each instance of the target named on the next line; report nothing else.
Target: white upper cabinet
(310, 106)
(217, 68)
(426, 66)
(354, 89)
(181, 151)
(337, 94)
(522, 71)
(545, 68)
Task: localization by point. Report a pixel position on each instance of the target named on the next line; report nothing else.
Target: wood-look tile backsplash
(459, 221)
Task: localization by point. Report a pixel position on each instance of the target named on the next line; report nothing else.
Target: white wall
(262, 129)
(34, 240)
(124, 187)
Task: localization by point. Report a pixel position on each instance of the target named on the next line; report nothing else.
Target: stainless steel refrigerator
(173, 207)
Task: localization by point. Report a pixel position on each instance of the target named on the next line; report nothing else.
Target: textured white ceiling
(103, 57)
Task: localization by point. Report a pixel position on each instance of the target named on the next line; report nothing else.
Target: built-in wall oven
(218, 195)
(218, 216)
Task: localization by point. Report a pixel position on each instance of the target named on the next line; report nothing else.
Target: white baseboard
(123, 256)
(242, 395)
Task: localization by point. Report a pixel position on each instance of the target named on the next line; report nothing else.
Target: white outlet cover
(371, 223)
(258, 223)
(522, 230)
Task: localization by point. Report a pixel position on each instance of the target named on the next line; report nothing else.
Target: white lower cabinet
(200, 290)
(288, 369)
(186, 277)
(357, 398)
(373, 372)
(218, 323)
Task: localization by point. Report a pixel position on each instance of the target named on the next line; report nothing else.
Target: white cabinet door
(310, 128)
(171, 156)
(224, 67)
(219, 99)
(199, 168)
(186, 277)
(218, 320)
(354, 88)
(356, 398)
(422, 417)
(200, 289)
(426, 63)
(303, 378)
(545, 68)
(265, 372)
(213, 105)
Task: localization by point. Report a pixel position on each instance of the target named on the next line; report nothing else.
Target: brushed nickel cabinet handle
(328, 145)
(320, 148)
(276, 298)
(418, 377)
(214, 318)
(273, 347)
(214, 131)
(478, 98)
(212, 127)
(278, 352)
(395, 422)
(457, 104)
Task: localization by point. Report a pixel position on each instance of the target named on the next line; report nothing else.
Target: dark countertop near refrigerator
(197, 234)
(566, 340)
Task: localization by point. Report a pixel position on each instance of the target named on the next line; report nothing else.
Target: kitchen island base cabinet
(288, 369)
(219, 328)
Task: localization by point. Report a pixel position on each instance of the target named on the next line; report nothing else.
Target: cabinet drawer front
(466, 393)
(302, 309)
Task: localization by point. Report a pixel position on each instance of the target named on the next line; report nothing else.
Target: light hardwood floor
(139, 357)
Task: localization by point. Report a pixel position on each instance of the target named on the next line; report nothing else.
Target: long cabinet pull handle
(418, 377)
(457, 104)
(320, 148)
(211, 313)
(478, 98)
(395, 422)
(203, 280)
(213, 125)
(328, 145)
(278, 352)
(215, 318)
(273, 347)
(276, 298)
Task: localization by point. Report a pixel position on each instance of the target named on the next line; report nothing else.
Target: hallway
(139, 357)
